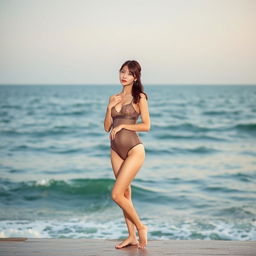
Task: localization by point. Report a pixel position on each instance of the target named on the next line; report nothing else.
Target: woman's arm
(108, 118)
(145, 125)
(113, 100)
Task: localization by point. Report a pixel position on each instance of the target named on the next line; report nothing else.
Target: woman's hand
(116, 130)
(113, 100)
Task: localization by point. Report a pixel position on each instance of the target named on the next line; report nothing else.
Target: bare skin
(126, 170)
(117, 164)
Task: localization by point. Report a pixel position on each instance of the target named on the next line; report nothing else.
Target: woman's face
(126, 77)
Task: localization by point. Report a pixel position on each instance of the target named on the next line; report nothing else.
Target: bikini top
(127, 111)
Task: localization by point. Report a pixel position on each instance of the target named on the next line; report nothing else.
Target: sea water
(198, 180)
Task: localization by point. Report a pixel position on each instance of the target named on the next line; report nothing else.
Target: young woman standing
(127, 149)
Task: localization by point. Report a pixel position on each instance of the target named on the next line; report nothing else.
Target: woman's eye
(122, 71)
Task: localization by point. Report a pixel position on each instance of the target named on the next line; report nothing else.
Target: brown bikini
(125, 139)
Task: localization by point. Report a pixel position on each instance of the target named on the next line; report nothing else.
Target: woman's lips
(124, 81)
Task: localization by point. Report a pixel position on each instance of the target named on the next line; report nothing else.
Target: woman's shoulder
(116, 94)
(143, 96)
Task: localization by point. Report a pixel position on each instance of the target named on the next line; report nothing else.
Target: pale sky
(86, 42)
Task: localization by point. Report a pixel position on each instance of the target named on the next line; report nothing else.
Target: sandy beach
(90, 247)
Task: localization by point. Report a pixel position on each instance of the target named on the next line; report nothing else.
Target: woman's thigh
(129, 168)
(116, 162)
(139, 149)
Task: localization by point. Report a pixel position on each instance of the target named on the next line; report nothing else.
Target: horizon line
(108, 84)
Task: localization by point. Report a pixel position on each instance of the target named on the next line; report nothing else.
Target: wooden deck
(102, 247)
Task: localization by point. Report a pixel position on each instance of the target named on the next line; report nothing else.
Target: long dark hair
(137, 88)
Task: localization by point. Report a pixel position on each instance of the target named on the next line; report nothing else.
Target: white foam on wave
(73, 228)
(115, 228)
(48, 181)
(43, 182)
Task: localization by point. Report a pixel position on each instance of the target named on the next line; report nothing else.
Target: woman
(127, 149)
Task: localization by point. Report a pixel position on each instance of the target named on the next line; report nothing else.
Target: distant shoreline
(145, 84)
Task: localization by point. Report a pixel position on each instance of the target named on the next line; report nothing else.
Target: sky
(86, 42)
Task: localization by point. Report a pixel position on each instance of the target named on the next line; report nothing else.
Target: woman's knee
(127, 192)
(116, 196)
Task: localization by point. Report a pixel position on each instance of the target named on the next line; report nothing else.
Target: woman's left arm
(145, 125)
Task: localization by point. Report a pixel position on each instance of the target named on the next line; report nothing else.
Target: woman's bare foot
(142, 236)
(131, 240)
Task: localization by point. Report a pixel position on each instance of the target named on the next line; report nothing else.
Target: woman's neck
(127, 90)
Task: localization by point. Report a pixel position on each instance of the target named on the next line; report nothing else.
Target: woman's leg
(117, 162)
(126, 174)
(129, 223)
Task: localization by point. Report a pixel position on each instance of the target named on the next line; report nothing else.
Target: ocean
(198, 180)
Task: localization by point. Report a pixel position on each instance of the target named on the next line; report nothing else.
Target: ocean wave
(186, 127)
(70, 113)
(67, 190)
(176, 150)
(196, 137)
(239, 176)
(190, 127)
(35, 133)
(222, 189)
(250, 127)
(221, 112)
(237, 212)
(108, 227)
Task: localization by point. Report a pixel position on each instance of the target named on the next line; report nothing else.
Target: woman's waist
(125, 133)
(118, 121)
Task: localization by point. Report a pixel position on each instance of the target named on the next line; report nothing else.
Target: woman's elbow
(147, 128)
(107, 129)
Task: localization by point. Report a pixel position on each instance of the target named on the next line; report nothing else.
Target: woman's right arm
(108, 119)
(113, 100)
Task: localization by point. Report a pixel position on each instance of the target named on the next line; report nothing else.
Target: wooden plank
(13, 239)
(82, 246)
